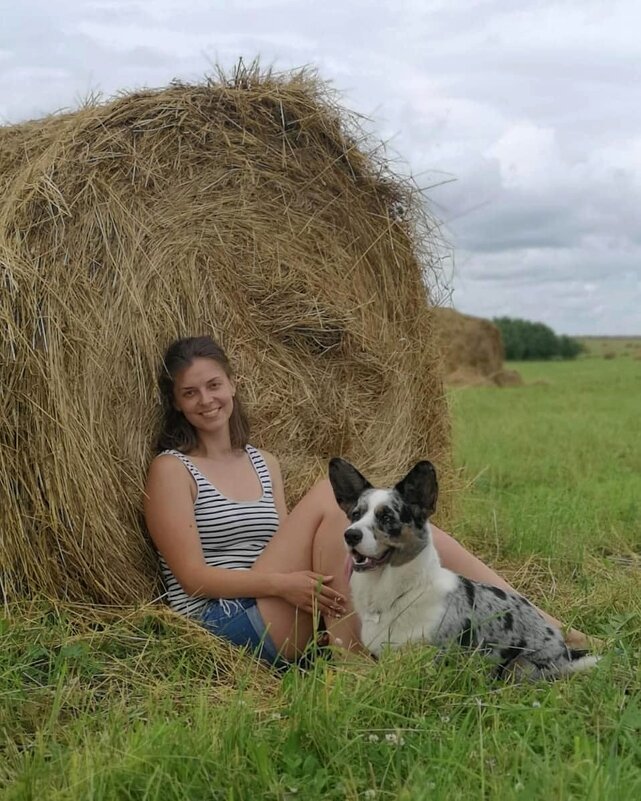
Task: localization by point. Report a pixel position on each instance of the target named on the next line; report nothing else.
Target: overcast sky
(527, 113)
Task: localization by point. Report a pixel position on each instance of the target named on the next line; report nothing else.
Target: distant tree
(526, 340)
(569, 348)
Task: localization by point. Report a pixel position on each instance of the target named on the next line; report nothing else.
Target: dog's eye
(384, 517)
(355, 515)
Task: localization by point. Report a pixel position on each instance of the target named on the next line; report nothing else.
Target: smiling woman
(230, 555)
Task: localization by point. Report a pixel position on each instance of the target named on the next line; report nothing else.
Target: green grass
(556, 464)
(103, 707)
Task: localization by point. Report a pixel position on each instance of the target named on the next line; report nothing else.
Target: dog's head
(386, 525)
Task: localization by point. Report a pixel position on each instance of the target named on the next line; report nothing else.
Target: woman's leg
(310, 538)
(455, 558)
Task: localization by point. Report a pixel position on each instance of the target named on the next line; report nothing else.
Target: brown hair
(176, 432)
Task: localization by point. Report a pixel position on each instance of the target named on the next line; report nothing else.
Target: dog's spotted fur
(402, 593)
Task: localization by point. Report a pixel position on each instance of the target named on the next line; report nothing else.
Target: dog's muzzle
(360, 561)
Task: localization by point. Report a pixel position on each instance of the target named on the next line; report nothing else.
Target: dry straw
(472, 350)
(248, 207)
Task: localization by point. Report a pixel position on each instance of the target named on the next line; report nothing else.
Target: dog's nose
(353, 536)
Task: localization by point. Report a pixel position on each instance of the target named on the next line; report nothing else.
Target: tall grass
(141, 707)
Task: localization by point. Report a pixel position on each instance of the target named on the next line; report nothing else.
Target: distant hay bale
(245, 207)
(472, 349)
(467, 377)
(507, 378)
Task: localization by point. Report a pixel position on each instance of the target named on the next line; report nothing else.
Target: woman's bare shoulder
(167, 480)
(166, 464)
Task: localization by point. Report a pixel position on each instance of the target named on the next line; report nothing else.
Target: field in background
(142, 709)
(554, 465)
(611, 347)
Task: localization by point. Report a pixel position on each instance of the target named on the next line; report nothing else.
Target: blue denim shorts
(239, 621)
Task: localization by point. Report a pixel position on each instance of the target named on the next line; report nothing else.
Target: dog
(402, 594)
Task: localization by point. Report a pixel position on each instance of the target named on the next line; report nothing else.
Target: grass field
(611, 347)
(145, 707)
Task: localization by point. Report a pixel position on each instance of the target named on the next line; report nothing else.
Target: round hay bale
(247, 208)
(472, 347)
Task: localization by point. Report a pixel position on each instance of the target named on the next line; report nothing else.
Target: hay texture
(246, 207)
(472, 351)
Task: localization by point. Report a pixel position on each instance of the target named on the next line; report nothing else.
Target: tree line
(525, 340)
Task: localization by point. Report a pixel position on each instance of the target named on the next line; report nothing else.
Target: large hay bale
(245, 208)
(472, 348)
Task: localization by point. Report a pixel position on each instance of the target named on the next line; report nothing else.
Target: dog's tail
(579, 660)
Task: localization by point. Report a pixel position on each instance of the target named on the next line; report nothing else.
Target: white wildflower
(536, 704)
(369, 793)
(373, 738)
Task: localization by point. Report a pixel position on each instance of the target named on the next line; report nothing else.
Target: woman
(231, 555)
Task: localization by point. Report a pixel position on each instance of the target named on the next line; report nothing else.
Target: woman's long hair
(176, 432)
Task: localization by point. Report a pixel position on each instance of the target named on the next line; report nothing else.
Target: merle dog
(402, 593)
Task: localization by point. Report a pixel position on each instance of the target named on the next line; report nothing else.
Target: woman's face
(205, 395)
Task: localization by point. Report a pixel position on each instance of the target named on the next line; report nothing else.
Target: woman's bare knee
(289, 628)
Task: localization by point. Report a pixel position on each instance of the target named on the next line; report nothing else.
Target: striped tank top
(232, 533)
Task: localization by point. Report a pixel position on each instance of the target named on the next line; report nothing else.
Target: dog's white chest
(371, 617)
(396, 607)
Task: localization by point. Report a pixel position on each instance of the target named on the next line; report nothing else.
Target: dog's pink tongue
(349, 567)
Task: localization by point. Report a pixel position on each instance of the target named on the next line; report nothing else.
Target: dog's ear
(347, 483)
(420, 487)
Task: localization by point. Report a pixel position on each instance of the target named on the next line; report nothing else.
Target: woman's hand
(308, 591)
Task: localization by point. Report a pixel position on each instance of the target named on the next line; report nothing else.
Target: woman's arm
(169, 515)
